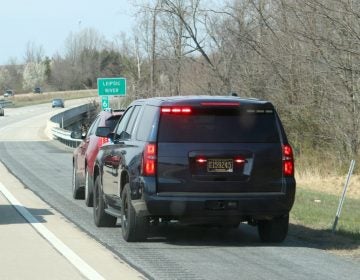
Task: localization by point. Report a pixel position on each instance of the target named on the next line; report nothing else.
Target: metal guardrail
(5, 103)
(70, 116)
(65, 118)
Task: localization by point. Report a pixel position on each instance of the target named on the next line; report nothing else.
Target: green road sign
(111, 86)
(104, 102)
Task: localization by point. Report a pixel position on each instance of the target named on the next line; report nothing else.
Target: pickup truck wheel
(88, 190)
(101, 218)
(77, 191)
(274, 230)
(134, 227)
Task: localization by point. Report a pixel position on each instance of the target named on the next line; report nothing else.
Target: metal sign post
(338, 212)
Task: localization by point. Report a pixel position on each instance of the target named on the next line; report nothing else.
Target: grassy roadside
(318, 209)
(312, 219)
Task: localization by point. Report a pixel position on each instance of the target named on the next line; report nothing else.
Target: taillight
(288, 160)
(239, 160)
(201, 160)
(149, 160)
(176, 110)
(102, 141)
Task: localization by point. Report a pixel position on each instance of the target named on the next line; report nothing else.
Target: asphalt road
(172, 251)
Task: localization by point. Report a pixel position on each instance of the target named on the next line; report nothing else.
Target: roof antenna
(233, 94)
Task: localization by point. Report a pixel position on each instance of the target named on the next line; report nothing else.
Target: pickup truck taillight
(288, 161)
(148, 167)
(102, 141)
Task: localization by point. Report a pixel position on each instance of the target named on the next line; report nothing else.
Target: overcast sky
(47, 23)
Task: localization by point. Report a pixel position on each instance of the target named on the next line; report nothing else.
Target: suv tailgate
(220, 150)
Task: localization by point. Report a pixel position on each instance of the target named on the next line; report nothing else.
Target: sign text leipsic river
(111, 86)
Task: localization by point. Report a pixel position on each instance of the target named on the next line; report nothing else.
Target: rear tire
(77, 190)
(89, 193)
(101, 218)
(134, 227)
(274, 230)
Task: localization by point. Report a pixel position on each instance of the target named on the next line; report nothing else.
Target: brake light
(102, 141)
(288, 160)
(176, 110)
(149, 160)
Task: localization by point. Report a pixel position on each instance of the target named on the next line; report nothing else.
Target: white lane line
(74, 259)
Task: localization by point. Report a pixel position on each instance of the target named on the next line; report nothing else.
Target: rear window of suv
(112, 121)
(220, 126)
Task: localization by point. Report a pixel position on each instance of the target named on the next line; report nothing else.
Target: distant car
(37, 90)
(84, 155)
(57, 102)
(8, 93)
(1, 110)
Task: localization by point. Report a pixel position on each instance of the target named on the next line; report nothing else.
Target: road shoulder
(26, 254)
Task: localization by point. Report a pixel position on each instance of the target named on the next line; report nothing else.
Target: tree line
(301, 55)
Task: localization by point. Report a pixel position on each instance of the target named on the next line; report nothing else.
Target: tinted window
(112, 121)
(122, 124)
(147, 123)
(130, 126)
(220, 126)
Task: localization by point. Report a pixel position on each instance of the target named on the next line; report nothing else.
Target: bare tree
(82, 52)
(4, 78)
(34, 53)
(154, 14)
(132, 62)
(173, 43)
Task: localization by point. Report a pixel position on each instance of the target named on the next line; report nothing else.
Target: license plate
(220, 165)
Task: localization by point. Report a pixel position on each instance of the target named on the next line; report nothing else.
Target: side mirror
(103, 131)
(77, 135)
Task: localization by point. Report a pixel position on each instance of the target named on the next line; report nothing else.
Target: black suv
(200, 160)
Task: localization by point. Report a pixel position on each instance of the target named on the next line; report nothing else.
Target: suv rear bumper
(182, 205)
